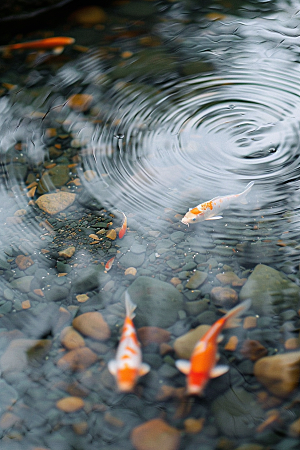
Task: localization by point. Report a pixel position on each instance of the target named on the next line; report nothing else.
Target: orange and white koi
(202, 365)
(109, 264)
(56, 43)
(128, 366)
(123, 227)
(210, 210)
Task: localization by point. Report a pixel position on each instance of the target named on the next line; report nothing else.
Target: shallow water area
(156, 108)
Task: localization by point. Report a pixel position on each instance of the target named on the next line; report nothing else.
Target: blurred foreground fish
(57, 44)
(210, 210)
(128, 366)
(202, 365)
(123, 227)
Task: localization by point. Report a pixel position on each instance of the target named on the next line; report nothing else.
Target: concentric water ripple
(199, 138)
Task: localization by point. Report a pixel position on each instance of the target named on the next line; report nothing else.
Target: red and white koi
(57, 44)
(128, 366)
(123, 227)
(109, 264)
(202, 365)
(211, 209)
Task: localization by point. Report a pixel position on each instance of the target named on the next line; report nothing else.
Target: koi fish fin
(183, 365)
(217, 371)
(214, 218)
(130, 306)
(242, 195)
(220, 338)
(144, 369)
(112, 367)
(236, 312)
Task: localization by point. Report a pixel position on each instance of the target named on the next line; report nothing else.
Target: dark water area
(156, 108)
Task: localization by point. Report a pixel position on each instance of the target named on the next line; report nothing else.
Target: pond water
(156, 108)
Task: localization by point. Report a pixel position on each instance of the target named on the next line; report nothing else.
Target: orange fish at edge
(56, 43)
(127, 367)
(202, 365)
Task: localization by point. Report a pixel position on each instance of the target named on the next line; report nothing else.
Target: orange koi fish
(128, 366)
(202, 365)
(109, 264)
(55, 43)
(123, 227)
(210, 210)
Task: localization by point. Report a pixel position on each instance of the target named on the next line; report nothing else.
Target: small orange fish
(210, 209)
(123, 227)
(109, 263)
(128, 366)
(202, 365)
(57, 43)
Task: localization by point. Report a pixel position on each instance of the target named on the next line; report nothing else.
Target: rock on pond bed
(158, 302)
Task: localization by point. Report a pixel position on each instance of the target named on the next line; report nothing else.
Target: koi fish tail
(235, 312)
(242, 196)
(130, 306)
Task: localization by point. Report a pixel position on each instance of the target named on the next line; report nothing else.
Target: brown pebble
(55, 203)
(279, 373)
(193, 426)
(71, 339)
(155, 434)
(165, 392)
(185, 344)
(164, 349)
(113, 420)
(227, 277)
(223, 296)
(294, 429)
(82, 298)
(253, 350)
(93, 325)
(23, 262)
(80, 428)
(38, 292)
(26, 304)
(130, 271)
(8, 420)
(232, 344)
(94, 236)
(175, 281)
(80, 102)
(31, 192)
(67, 252)
(249, 322)
(70, 404)
(111, 234)
(77, 359)
(291, 344)
(158, 335)
(88, 15)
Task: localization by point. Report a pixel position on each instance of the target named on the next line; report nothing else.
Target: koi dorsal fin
(130, 306)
